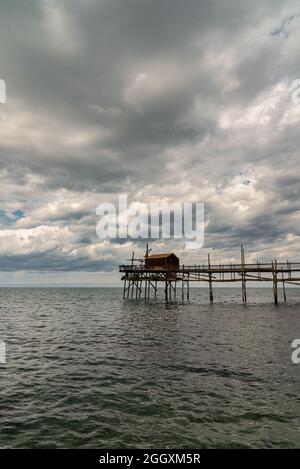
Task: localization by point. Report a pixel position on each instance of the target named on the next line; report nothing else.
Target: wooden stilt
(128, 289)
(132, 288)
(275, 289)
(284, 292)
(283, 286)
(244, 291)
(166, 289)
(211, 296)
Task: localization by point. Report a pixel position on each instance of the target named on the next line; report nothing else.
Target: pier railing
(261, 266)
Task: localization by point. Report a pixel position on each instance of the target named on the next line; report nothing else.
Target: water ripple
(87, 369)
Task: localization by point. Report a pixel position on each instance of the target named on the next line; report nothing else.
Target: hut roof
(161, 256)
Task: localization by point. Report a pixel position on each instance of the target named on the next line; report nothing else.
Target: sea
(85, 368)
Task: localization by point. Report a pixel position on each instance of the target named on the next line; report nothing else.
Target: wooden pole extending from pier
(166, 289)
(274, 274)
(283, 286)
(211, 296)
(244, 292)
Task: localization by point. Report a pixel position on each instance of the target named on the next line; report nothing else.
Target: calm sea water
(86, 368)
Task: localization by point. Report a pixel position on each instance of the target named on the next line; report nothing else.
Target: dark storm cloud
(53, 261)
(284, 28)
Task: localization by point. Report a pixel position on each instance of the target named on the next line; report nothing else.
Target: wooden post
(166, 289)
(275, 290)
(276, 283)
(182, 284)
(128, 289)
(289, 269)
(132, 260)
(132, 288)
(211, 296)
(188, 287)
(283, 286)
(124, 289)
(244, 291)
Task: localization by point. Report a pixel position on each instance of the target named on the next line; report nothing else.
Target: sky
(162, 100)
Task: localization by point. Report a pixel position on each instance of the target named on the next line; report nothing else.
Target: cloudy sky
(164, 100)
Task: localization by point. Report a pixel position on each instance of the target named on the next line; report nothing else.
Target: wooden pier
(143, 276)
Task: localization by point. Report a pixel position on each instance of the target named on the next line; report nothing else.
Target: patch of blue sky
(9, 218)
